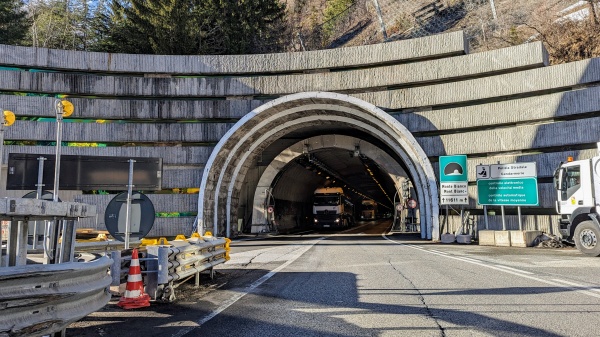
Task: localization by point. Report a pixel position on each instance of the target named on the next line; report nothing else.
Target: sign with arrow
(453, 180)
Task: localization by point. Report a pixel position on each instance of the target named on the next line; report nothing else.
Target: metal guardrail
(36, 300)
(170, 265)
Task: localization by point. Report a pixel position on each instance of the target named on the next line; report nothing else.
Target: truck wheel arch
(578, 216)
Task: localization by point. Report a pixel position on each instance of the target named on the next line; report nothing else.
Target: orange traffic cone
(134, 292)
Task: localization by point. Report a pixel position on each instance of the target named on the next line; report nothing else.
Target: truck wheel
(587, 238)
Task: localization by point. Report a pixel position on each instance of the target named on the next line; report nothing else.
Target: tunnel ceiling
(317, 130)
(375, 184)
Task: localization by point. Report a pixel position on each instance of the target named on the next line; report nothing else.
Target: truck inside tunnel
(358, 176)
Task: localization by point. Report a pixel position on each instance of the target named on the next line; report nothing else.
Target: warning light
(569, 159)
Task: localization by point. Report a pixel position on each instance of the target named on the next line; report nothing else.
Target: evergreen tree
(112, 32)
(184, 27)
(246, 26)
(13, 22)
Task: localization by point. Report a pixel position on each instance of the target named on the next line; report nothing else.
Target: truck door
(576, 188)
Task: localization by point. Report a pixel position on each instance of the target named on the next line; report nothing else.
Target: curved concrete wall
(411, 50)
(503, 105)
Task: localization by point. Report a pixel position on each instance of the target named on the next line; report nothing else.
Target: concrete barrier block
(502, 238)
(257, 229)
(523, 238)
(448, 238)
(465, 238)
(487, 238)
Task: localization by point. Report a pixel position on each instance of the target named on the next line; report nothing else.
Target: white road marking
(513, 271)
(577, 285)
(250, 288)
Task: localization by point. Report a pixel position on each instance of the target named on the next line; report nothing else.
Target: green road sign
(508, 192)
(453, 168)
(453, 180)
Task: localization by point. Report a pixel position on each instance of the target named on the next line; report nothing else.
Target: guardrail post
(11, 247)
(115, 268)
(163, 265)
(152, 271)
(22, 243)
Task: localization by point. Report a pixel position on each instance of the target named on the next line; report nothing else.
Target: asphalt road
(365, 283)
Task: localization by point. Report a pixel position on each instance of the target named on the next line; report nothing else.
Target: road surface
(364, 282)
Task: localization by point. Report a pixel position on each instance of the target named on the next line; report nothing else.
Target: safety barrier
(36, 300)
(169, 265)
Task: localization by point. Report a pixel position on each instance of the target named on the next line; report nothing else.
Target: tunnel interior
(291, 192)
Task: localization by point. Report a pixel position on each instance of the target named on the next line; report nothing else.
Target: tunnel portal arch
(229, 162)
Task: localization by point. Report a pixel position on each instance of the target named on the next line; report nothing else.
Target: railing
(170, 265)
(36, 300)
(41, 299)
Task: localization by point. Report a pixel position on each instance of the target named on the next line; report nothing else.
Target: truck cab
(577, 185)
(332, 209)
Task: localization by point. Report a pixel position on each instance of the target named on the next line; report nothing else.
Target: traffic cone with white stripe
(134, 292)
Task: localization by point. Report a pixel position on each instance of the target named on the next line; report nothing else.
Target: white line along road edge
(299, 252)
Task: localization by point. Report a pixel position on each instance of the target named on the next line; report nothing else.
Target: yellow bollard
(181, 237)
(227, 249)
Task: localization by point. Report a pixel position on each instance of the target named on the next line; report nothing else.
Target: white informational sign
(456, 193)
(516, 170)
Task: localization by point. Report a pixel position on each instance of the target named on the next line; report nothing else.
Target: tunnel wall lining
(384, 160)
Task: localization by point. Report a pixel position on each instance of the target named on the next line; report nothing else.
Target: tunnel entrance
(286, 148)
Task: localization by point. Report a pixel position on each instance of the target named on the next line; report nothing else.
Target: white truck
(577, 184)
(368, 209)
(332, 208)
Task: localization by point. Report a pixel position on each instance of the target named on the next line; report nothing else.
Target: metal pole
(485, 216)
(53, 230)
(381, 23)
(460, 229)
(59, 119)
(301, 41)
(128, 214)
(493, 9)
(1, 159)
(39, 186)
(447, 221)
(2, 143)
(519, 214)
(503, 220)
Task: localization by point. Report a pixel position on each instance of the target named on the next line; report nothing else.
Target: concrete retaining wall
(411, 50)
(497, 106)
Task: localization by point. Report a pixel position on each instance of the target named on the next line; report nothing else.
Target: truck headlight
(337, 220)
(316, 220)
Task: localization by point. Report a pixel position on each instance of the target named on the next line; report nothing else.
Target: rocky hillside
(569, 28)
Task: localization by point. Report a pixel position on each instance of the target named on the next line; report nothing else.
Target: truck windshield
(327, 200)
